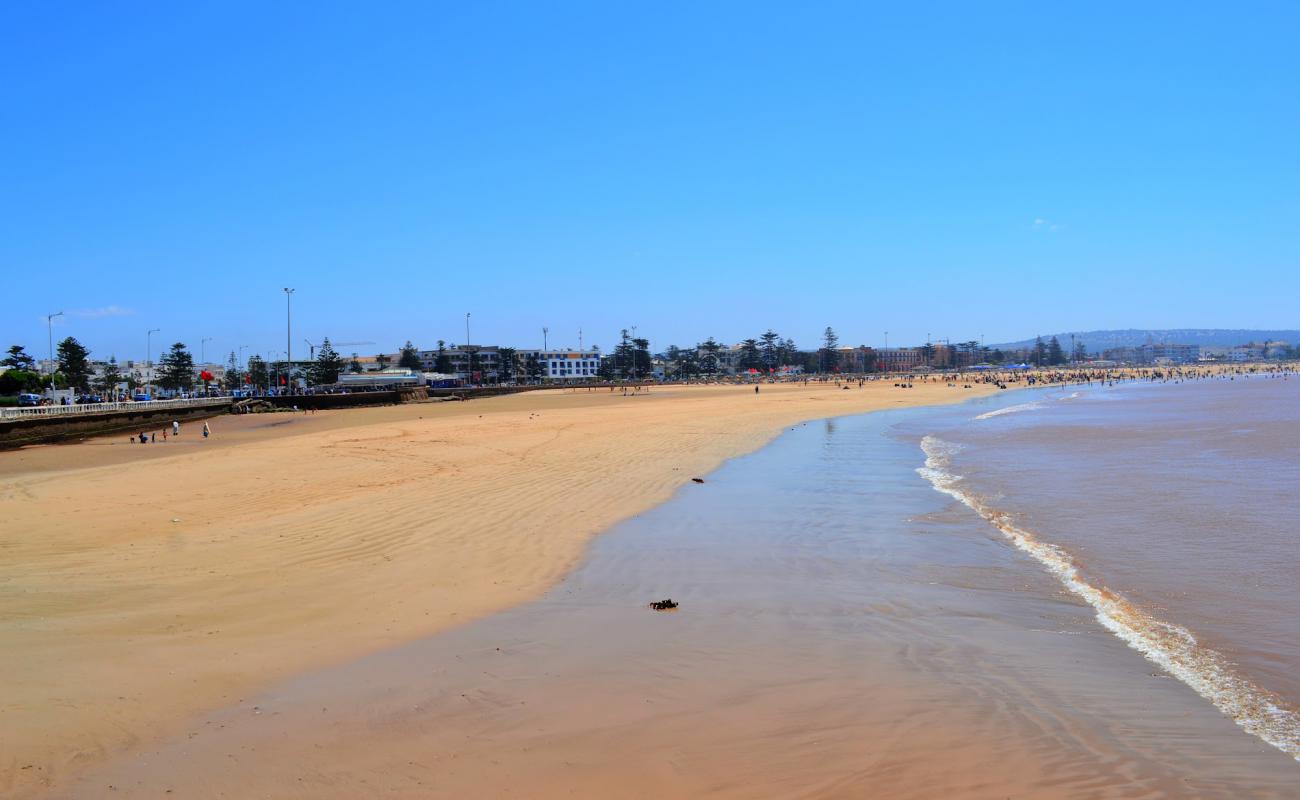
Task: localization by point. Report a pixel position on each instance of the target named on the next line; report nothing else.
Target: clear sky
(694, 169)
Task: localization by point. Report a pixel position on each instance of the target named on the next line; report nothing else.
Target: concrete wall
(46, 430)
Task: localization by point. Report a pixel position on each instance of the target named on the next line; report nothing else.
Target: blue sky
(694, 169)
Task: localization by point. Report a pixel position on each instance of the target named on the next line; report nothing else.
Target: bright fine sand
(142, 585)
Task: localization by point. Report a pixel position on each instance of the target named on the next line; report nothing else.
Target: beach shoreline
(148, 588)
(845, 630)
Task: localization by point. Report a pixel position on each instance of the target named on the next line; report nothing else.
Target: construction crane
(333, 344)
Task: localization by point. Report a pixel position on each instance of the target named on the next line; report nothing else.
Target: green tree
(1039, 352)
(328, 365)
(382, 361)
(1080, 352)
(234, 377)
(354, 366)
(830, 354)
(787, 354)
(750, 355)
(18, 359)
(643, 365)
(770, 349)
(623, 361)
(533, 367)
(409, 357)
(442, 363)
(708, 355)
(110, 377)
(508, 365)
(259, 376)
(1055, 355)
(14, 381)
(74, 363)
(176, 368)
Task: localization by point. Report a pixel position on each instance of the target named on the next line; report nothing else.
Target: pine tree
(234, 377)
(74, 363)
(410, 357)
(709, 357)
(176, 369)
(1040, 352)
(382, 361)
(771, 343)
(354, 366)
(1055, 355)
(750, 357)
(110, 377)
(787, 354)
(18, 359)
(830, 355)
(328, 365)
(642, 361)
(258, 374)
(506, 370)
(443, 362)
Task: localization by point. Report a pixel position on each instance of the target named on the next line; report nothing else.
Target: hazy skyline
(694, 171)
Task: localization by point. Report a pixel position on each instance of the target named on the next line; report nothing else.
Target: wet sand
(143, 585)
(844, 631)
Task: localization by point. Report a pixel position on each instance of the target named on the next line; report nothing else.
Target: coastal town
(71, 374)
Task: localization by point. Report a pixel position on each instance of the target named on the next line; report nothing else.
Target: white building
(566, 365)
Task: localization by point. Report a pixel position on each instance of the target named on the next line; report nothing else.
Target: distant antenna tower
(579, 340)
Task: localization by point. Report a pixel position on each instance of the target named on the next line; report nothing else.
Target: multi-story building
(901, 359)
(565, 365)
(857, 359)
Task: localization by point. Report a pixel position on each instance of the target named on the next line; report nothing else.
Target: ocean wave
(1010, 410)
(1170, 646)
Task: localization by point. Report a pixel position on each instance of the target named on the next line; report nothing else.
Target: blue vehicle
(29, 400)
(141, 397)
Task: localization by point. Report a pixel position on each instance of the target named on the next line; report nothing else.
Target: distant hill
(1096, 341)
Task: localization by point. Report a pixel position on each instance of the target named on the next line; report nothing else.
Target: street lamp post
(148, 357)
(469, 354)
(886, 352)
(203, 357)
(288, 332)
(49, 324)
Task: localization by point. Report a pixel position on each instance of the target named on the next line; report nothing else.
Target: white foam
(1011, 410)
(1172, 647)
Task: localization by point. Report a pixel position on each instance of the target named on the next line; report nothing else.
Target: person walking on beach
(176, 428)
(205, 430)
(756, 389)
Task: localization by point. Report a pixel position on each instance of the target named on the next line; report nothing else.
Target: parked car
(29, 400)
(140, 397)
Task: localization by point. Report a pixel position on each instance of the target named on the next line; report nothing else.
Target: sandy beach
(143, 585)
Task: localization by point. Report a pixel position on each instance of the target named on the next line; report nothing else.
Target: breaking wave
(1172, 647)
(1010, 410)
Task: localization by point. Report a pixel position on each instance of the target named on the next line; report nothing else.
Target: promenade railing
(90, 409)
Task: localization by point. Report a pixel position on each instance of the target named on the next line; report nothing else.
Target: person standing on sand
(176, 429)
(756, 390)
(205, 430)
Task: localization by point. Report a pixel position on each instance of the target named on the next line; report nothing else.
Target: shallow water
(844, 630)
(1170, 509)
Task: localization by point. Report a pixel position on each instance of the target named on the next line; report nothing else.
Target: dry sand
(142, 585)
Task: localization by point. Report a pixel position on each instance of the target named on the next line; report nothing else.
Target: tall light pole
(49, 324)
(203, 358)
(545, 333)
(240, 359)
(886, 352)
(148, 356)
(469, 354)
(288, 326)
